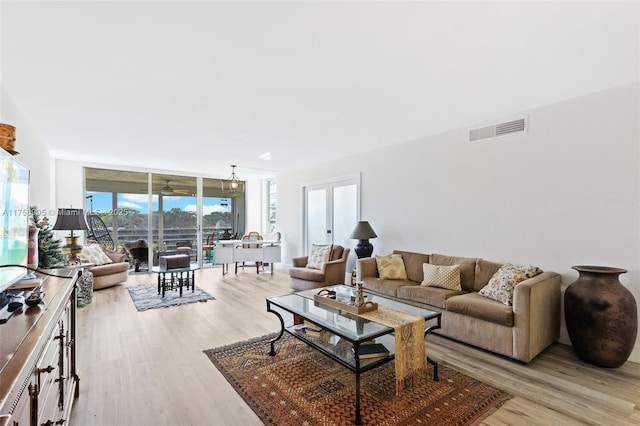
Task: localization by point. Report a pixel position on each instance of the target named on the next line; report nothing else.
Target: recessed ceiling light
(265, 156)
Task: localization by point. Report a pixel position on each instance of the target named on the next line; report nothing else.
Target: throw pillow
(319, 256)
(500, 286)
(93, 253)
(391, 267)
(441, 276)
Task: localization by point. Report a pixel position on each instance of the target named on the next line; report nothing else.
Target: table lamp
(71, 220)
(363, 232)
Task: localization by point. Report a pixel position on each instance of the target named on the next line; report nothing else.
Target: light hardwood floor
(148, 368)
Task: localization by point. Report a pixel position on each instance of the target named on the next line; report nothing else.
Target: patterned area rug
(146, 297)
(300, 386)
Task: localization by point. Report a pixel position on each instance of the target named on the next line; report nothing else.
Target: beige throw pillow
(441, 276)
(391, 267)
(503, 282)
(320, 254)
(92, 253)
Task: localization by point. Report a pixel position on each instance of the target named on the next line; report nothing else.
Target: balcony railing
(169, 236)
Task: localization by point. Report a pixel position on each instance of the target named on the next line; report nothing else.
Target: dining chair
(250, 240)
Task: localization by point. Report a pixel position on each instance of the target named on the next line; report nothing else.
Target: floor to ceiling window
(174, 215)
(272, 201)
(119, 199)
(164, 209)
(217, 217)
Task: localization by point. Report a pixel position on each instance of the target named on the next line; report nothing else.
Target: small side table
(85, 288)
(179, 277)
(84, 283)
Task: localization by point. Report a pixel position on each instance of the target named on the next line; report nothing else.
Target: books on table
(314, 330)
(367, 350)
(372, 350)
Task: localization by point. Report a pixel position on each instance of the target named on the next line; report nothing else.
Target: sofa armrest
(536, 309)
(334, 271)
(300, 262)
(366, 267)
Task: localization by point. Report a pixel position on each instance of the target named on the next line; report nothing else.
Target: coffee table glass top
(346, 324)
(349, 325)
(348, 291)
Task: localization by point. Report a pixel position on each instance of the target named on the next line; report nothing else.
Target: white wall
(565, 193)
(33, 153)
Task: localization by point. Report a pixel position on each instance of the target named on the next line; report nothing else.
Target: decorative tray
(328, 297)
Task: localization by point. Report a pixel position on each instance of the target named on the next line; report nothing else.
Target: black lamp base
(363, 249)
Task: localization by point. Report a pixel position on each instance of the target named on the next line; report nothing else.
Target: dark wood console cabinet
(38, 377)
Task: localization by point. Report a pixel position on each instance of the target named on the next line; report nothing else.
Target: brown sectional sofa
(520, 331)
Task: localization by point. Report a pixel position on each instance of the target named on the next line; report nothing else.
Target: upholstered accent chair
(330, 273)
(108, 268)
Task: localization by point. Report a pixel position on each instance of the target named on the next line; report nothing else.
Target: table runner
(411, 353)
(410, 347)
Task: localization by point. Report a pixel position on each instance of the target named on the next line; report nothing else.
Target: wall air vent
(507, 128)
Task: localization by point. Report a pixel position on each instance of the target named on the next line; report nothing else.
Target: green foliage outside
(171, 219)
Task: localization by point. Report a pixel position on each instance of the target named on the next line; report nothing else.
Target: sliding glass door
(169, 211)
(119, 201)
(174, 219)
(217, 218)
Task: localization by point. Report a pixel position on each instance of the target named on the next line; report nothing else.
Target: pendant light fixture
(233, 184)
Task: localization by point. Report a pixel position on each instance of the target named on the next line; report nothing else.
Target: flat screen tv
(14, 219)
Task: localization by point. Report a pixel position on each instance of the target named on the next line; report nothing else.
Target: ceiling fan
(168, 190)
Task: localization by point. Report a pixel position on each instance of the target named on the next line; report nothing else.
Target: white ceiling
(197, 86)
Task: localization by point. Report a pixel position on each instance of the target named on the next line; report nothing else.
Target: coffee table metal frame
(344, 326)
(176, 277)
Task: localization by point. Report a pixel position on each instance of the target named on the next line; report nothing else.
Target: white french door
(331, 212)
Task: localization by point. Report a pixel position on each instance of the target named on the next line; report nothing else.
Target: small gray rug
(146, 297)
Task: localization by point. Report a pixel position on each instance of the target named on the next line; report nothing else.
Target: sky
(140, 202)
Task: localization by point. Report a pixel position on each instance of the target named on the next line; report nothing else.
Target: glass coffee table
(178, 277)
(344, 332)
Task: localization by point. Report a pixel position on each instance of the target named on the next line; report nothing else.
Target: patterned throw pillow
(319, 256)
(93, 253)
(500, 286)
(391, 267)
(441, 276)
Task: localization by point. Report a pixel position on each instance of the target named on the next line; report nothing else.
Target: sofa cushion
(413, 264)
(320, 254)
(447, 277)
(432, 296)
(92, 253)
(501, 285)
(484, 271)
(467, 268)
(391, 267)
(307, 274)
(336, 252)
(476, 306)
(385, 287)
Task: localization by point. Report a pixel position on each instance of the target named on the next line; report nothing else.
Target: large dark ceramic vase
(601, 316)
